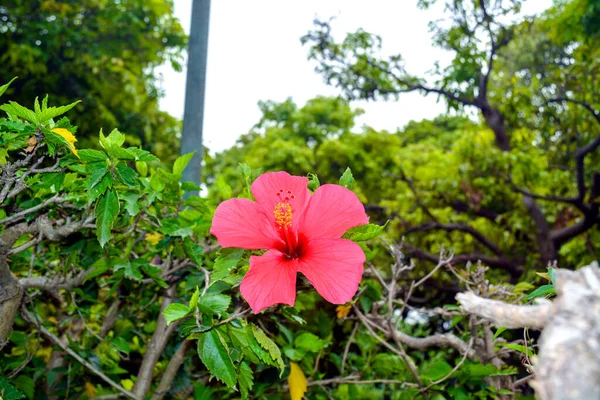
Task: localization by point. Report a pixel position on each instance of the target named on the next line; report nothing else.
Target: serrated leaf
(4, 87)
(9, 392)
(362, 233)
(182, 162)
(214, 303)
(100, 188)
(215, 356)
(97, 172)
(142, 155)
(130, 271)
(19, 111)
(245, 379)
(347, 180)
(126, 175)
(92, 155)
(541, 292)
(175, 312)
(193, 251)
(53, 112)
(132, 204)
(106, 211)
(225, 262)
(297, 382)
(268, 345)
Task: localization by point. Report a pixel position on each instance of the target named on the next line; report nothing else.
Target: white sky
(254, 54)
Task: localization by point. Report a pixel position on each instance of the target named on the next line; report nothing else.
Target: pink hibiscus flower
(302, 233)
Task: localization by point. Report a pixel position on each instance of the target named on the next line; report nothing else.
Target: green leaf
(107, 210)
(156, 183)
(541, 292)
(499, 332)
(194, 299)
(121, 344)
(100, 188)
(142, 155)
(9, 392)
(130, 271)
(97, 172)
(309, 342)
(215, 356)
(53, 112)
(223, 187)
(114, 139)
(362, 233)
(19, 111)
(126, 175)
(214, 303)
(4, 87)
(347, 180)
(436, 370)
(142, 168)
(246, 171)
(268, 345)
(245, 379)
(182, 162)
(132, 204)
(520, 348)
(175, 312)
(193, 251)
(26, 385)
(313, 182)
(225, 262)
(92, 155)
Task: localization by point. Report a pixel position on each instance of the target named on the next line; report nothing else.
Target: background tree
(102, 52)
(551, 83)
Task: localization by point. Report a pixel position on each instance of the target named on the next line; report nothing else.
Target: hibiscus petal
(272, 188)
(271, 280)
(332, 210)
(242, 223)
(334, 267)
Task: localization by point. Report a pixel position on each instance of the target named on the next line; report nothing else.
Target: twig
(352, 380)
(21, 214)
(49, 335)
(347, 348)
(456, 368)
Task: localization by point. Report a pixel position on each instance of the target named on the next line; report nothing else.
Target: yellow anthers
(283, 215)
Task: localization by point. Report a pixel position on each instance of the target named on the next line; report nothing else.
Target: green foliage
(76, 50)
(215, 355)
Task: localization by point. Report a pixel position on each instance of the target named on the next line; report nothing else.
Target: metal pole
(193, 116)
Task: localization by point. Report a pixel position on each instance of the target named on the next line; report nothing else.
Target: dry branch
(568, 366)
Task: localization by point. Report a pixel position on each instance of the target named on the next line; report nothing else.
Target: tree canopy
(102, 52)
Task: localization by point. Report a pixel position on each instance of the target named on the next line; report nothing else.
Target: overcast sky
(254, 53)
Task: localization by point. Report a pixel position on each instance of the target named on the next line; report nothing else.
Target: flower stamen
(283, 215)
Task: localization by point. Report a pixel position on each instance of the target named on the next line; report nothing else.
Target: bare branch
(458, 227)
(505, 315)
(172, 368)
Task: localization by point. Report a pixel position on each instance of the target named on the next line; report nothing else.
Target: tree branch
(156, 346)
(505, 315)
(50, 336)
(458, 227)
